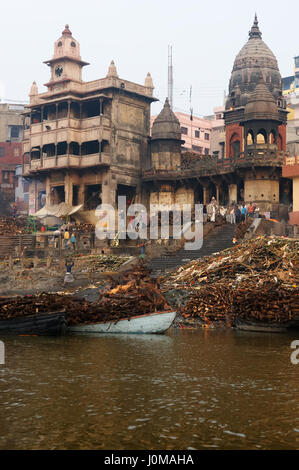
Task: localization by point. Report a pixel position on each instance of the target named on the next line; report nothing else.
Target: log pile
(221, 304)
(13, 226)
(211, 305)
(137, 294)
(268, 302)
(257, 280)
(84, 228)
(272, 256)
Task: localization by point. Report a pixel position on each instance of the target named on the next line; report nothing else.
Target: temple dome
(254, 61)
(261, 105)
(166, 124)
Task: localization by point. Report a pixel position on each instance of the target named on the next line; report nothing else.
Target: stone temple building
(89, 142)
(250, 170)
(85, 142)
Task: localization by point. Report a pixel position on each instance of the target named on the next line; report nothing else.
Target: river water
(184, 390)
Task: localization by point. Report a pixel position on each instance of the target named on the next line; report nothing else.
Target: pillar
(232, 193)
(48, 191)
(68, 189)
(81, 193)
(217, 194)
(205, 195)
(101, 107)
(109, 192)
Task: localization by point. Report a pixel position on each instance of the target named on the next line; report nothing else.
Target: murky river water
(184, 390)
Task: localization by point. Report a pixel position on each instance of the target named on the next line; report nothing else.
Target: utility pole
(170, 77)
(191, 114)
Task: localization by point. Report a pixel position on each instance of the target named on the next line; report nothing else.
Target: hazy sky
(205, 36)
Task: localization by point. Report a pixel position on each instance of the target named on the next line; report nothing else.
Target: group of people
(233, 214)
(68, 237)
(236, 214)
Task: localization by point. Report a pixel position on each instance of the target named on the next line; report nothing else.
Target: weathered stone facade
(85, 142)
(89, 142)
(255, 124)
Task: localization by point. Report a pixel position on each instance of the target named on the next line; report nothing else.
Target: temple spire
(112, 72)
(255, 31)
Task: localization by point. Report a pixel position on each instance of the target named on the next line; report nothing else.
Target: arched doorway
(234, 146)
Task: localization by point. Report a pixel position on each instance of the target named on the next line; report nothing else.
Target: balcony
(66, 161)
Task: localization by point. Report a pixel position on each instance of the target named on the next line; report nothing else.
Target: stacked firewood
(256, 280)
(268, 302)
(222, 303)
(211, 304)
(13, 226)
(275, 256)
(38, 304)
(135, 294)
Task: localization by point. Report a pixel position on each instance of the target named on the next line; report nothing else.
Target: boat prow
(50, 324)
(153, 323)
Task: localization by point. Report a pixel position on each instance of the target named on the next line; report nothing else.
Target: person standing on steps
(66, 238)
(69, 264)
(244, 212)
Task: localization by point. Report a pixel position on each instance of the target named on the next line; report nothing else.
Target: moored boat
(50, 324)
(152, 323)
(261, 327)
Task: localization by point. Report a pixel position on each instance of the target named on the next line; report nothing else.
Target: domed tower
(166, 140)
(255, 64)
(261, 121)
(66, 63)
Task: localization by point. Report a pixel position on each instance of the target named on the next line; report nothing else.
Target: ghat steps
(219, 239)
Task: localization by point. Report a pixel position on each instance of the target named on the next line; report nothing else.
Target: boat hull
(260, 327)
(52, 324)
(154, 323)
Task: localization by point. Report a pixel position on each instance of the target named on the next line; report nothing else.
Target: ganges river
(181, 391)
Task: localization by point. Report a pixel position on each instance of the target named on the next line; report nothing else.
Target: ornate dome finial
(66, 31)
(148, 81)
(33, 89)
(33, 93)
(255, 31)
(112, 72)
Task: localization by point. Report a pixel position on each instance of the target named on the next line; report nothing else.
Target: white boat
(152, 323)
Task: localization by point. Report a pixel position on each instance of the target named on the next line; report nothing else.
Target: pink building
(218, 133)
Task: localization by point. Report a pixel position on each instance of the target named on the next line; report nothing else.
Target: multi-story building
(11, 122)
(11, 134)
(21, 191)
(86, 141)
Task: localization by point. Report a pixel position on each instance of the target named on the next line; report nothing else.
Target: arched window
(272, 137)
(234, 145)
(250, 138)
(261, 137)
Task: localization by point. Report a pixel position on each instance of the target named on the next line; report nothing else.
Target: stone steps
(220, 239)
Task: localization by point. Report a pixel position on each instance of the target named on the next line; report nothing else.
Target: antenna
(170, 77)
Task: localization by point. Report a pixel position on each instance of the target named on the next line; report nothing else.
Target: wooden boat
(152, 323)
(50, 324)
(261, 327)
